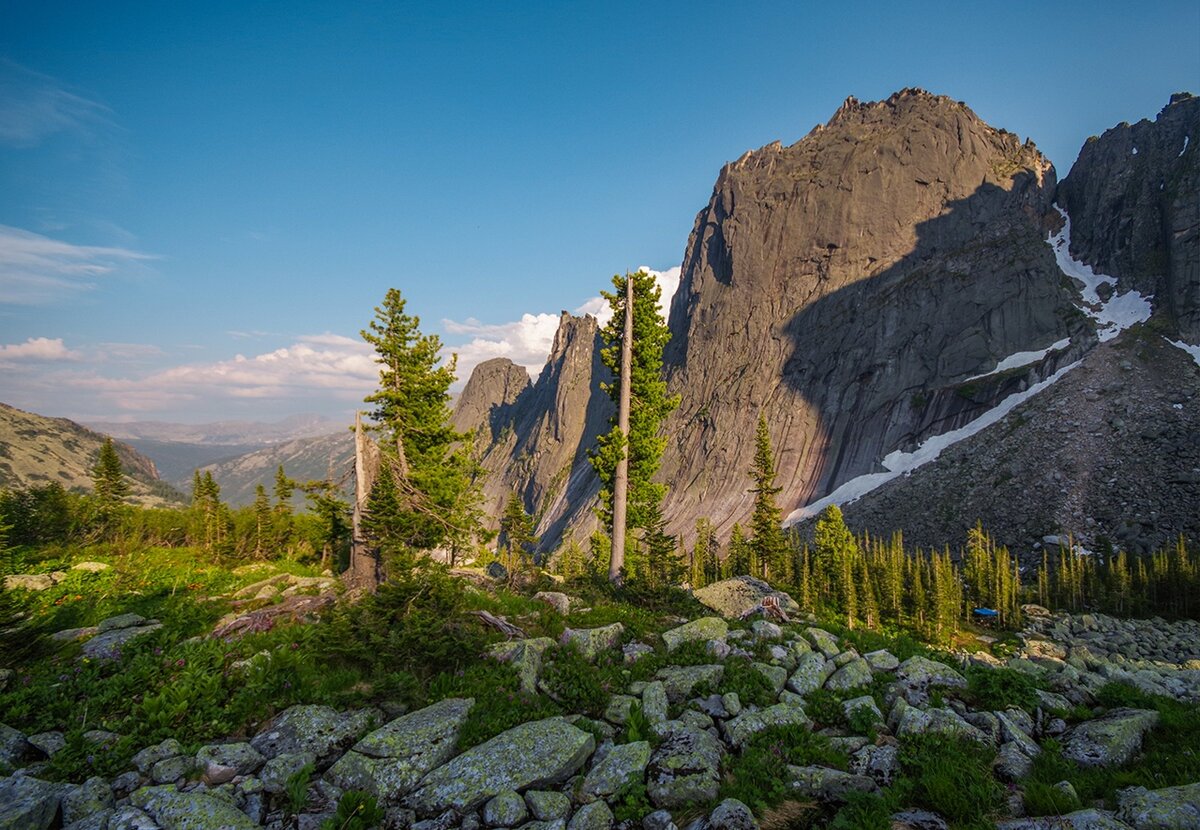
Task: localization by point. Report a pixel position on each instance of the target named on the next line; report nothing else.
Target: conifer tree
(836, 551)
(738, 561)
(411, 411)
(705, 555)
(766, 532)
(284, 488)
(571, 564)
(262, 521)
(649, 407)
(108, 483)
(516, 535)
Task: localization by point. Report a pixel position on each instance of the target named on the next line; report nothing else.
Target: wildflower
(180, 663)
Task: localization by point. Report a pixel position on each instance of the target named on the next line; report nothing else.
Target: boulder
(534, 754)
(823, 641)
(557, 600)
(221, 762)
(106, 645)
(525, 656)
(880, 762)
(701, 630)
(655, 702)
(882, 660)
(624, 764)
(863, 703)
(548, 805)
(131, 818)
(28, 803)
(681, 682)
(811, 673)
(15, 748)
(827, 784)
(917, 820)
(506, 809)
(320, 730)
(777, 676)
(684, 769)
(1091, 819)
(923, 672)
(276, 772)
(732, 814)
(1171, 808)
(390, 761)
(732, 598)
(1110, 740)
(592, 642)
(151, 755)
(739, 730)
(174, 810)
(914, 721)
(853, 675)
(90, 567)
(593, 816)
(89, 798)
(30, 582)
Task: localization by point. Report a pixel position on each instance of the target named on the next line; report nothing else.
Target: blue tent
(985, 612)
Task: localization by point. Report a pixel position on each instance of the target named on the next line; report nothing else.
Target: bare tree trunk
(621, 479)
(364, 560)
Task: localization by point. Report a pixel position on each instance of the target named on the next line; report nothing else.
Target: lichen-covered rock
(170, 770)
(827, 784)
(98, 820)
(731, 598)
(557, 600)
(852, 675)
(921, 671)
(534, 754)
(525, 656)
(1171, 808)
(732, 814)
(131, 818)
(701, 630)
(89, 798)
(174, 810)
(750, 723)
(107, 644)
(655, 702)
(506, 809)
(811, 673)
(221, 762)
(548, 805)
(28, 803)
(882, 660)
(684, 769)
(1110, 740)
(321, 730)
(593, 816)
(592, 642)
(823, 641)
(48, 742)
(618, 709)
(777, 676)
(681, 682)
(867, 703)
(879, 762)
(1090, 819)
(914, 721)
(1011, 763)
(275, 773)
(917, 820)
(623, 765)
(15, 748)
(390, 761)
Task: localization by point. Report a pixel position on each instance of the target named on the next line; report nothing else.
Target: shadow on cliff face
(888, 360)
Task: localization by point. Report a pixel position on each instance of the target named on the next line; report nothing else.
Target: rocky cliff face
(850, 286)
(1135, 215)
(535, 442)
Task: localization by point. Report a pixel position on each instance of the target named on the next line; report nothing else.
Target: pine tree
(108, 483)
(262, 521)
(706, 555)
(571, 564)
(738, 561)
(766, 532)
(334, 513)
(516, 535)
(836, 551)
(419, 446)
(284, 489)
(650, 403)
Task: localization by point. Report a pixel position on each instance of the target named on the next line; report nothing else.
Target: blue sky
(200, 204)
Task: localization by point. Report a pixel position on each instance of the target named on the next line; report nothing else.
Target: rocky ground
(571, 773)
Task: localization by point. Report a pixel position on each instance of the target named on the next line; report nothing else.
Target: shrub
(951, 776)
(751, 686)
(1000, 688)
(578, 685)
(355, 811)
(500, 704)
(758, 777)
(1042, 799)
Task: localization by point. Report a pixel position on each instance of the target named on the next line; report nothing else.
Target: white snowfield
(899, 463)
(1194, 351)
(1016, 361)
(1112, 317)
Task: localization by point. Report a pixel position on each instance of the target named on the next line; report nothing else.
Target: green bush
(1042, 799)
(751, 686)
(578, 685)
(999, 688)
(758, 777)
(355, 811)
(953, 777)
(500, 704)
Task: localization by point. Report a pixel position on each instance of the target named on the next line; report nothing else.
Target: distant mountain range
(222, 433)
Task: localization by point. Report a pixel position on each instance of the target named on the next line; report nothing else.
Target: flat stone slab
(701, 630)
(731, 598)
(1110, 740)
(536, 754)
(320, 730)
(1171, 808)
(107, 644)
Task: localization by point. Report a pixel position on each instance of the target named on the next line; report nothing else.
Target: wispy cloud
(36, 348)
(34, 106)
(527, 341)
(36, 269)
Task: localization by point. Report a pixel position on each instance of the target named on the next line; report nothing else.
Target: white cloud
(36, 348)
(36, 269)
(35, 106)
(668, 283)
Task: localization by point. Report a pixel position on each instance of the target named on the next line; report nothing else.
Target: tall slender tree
(650, 404)
(766, 531)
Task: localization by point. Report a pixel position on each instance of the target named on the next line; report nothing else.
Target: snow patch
(1185, 144)
(1016, 361)
(1194, 351)
(1120, 311)
(899, 463)
(1135, 151)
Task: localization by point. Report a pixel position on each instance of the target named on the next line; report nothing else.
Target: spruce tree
(650, 403)
(516, 535)
(419, 446)
(766, 531)
(262, 521)
(108, 483)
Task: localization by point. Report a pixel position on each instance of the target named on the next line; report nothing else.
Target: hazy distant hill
(37, 450)
(243, 433)
(303, 459)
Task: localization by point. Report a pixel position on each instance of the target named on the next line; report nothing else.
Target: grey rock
(592, 642)
(107, 644)
(89, 798)
(221, 762)
(811, 673)
(618, 709)
(320, 730)
(170, 770)
(1012, 764)
(732, 814)
(633, 652)
(276, 772)
(681, 682)
(534, 754)
(390, 761)
(1110, 740)
(1170, 808)
(877, 762)
(121, 621)
(766, 630)
(733, 598)
(852, 675)
(684, 769)
(922, 671)
(526, 656)
(918, 820)
(658, 820)
(28, 803)
(823, 641)
(1079, 820)
(505, 809)
(623, 765)
(15, 748)
(131, 818)
(557, 600)
(593, 816)
(749, 723)
(827, 784)
(866, 702)
(96, 821)
(48, 743)
(777, 676)
(882, 660)
(548, 805)
(699, 630)
(655, 702)
(174, 810)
